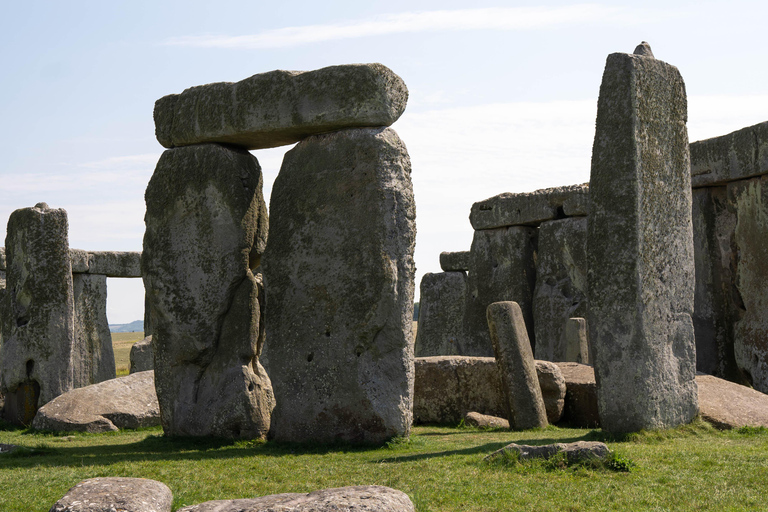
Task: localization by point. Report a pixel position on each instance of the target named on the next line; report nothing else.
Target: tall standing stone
(339, 274)
(38, 340)
(93, 357)
(206, 227)
(641, 271)
(441, 308)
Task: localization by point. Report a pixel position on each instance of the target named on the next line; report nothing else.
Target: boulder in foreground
(116, 494)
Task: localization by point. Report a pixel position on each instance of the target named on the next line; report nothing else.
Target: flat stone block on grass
(116, 494)
(281, 107)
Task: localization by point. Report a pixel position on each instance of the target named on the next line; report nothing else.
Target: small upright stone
(641, 270)
(644, 49)
(142, 357)
(576, 341)
(517, 368)
(441, 307)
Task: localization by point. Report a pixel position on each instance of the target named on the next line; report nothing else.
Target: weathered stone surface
(517, 369)
(2, 258)
(475, 419)
(454, 261)
(738, 155)
(644, 49)
(577, 340)
(502, 268)
(441, 310)
(115, 263)
(717, 304)
(728, 405)
(342, 499)
(574, 452)
(530, 208)
(580, 409)
(339, 271)
(79, 259)
(448, 387)
(641, 271)
(142, 357)
(281, 107)
(109, 494)
(38, 343)
(93, 358)
(206, 228)
(561, 284)
(124, 402)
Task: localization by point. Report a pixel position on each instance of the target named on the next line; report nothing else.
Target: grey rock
(561, 284)
(641, 270)
(580, 409)
(2, 258)
(441, 310)
(115, 263)
(454, 261)
(93, 358)
(339, 272)
(475, 419)
(728, 405)
(206, 227)
(576, 204)
(142, 356)
(447, 388)
(529, 208)
(38, 340)
(109, 494)
(644, 49)
(574, 452)
(502, 268)
(577, 340)
(79, 259)
(281, 107)
(738, 155)
(124, 402)
(342, 499)
(517, 369)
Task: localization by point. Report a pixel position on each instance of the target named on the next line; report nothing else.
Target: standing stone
(576, 341)
(517, 368)
(206, 229)
(502, 268)
(38, 343)
(561, 284)
(641, 271)
(93, 358)
(142, 356)
(442, 301)
(339, 273)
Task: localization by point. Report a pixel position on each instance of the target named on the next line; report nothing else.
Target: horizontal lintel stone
(454, 261)
(737, 155)
(107, 263)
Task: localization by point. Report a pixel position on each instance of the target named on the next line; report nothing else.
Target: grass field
(441, 469)
(121, 344)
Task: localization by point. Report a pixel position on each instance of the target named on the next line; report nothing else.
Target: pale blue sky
(502, 94)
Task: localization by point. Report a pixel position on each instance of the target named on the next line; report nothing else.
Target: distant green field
(121, 344)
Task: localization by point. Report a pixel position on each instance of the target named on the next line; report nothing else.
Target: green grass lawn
(441, 469)
(121, 344)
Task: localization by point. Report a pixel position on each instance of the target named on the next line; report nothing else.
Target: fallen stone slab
(738, 155)
(454, 261)
(530, 208)
(142, 357)
(475, 419)
(111, 494)
(115, 263)
(124, 402)
(5, 448)
(574, 452)
(728, 405)
(342, 499)
(580, 409)
(281, 107)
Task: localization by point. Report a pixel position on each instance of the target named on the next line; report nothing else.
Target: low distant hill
(135, 326)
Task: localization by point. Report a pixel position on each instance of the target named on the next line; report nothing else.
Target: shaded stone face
(94, 357)
(441, 309)
(142, 356)
(38, 337)
(641, 271)
(339, 274)
(206, 226)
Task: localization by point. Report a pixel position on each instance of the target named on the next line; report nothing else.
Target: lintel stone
(454, 261)
(737, 155)
(115, 263)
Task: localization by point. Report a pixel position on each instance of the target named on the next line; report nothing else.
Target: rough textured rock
(580, 409)
(448, 387)
(340, 273)
(142, 356)
(116, 494)
(502, 268)
(641, 271)
(454, 261)
(738, 155)
(79, 259)
(206, 227)
(124, 402)
(530, 208)
(517, 369)
(475, 419)
(574, 452)
(561, 284)
(2, 258)
(115, 263)
(39, 340)
(441, 309)
(728, 405)
(577, 340)
(93, 357)
(342, 499)
(281, 107)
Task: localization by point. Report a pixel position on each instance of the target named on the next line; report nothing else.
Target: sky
(502, 95)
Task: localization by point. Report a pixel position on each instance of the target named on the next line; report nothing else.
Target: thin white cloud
(512, 18)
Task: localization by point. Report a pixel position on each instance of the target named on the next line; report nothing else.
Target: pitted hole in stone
(250, 387)
(359, 350)
(328, 333)
(30, 367)
(560, 213)
(22, 320)
(310, 357)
